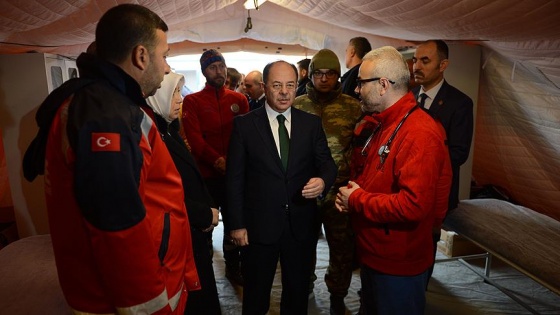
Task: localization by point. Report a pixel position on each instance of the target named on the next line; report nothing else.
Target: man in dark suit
(272, 191)
(446, 104)
(255, 90)
(357, 48)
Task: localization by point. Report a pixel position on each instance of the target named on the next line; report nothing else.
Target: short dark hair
(269, 65)
(441, 48)
(124, 27)
(234, 76)
(304, 63)
(361, 46)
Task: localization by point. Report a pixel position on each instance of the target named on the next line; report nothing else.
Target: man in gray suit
(278, 164)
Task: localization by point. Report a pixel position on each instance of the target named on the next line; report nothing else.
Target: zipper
(164, 238)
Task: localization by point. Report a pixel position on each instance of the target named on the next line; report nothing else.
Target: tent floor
(453, 289)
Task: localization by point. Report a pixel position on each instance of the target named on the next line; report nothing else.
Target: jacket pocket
(164, 238)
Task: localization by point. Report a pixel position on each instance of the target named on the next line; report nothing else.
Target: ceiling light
(253, 4)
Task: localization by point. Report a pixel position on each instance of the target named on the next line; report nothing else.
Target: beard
(217, 81)
(151, 82)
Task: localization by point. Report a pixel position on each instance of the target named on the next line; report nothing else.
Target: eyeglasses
(329, 74)
(278, 86)
(359, 82)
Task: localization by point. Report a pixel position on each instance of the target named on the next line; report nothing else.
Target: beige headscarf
(161, 101)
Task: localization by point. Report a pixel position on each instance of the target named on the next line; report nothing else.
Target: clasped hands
(344, 192)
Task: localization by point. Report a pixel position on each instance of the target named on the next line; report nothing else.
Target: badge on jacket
(234, 108)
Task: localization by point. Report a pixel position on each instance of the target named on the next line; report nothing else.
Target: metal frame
(486, 275)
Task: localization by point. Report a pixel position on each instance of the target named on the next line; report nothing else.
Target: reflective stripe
(149, 307)
(174, 301)
(146, 126)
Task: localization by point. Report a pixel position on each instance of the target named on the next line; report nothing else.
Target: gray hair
(390, 64)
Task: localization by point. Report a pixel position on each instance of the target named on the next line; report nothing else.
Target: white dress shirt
(272, 114)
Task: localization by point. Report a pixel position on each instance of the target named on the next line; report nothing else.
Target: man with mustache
(446, 104)
(207, 122)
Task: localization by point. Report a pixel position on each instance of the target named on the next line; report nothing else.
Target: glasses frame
(331, 74)
(359, 82)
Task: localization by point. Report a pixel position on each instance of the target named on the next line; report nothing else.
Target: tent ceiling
(520, 30)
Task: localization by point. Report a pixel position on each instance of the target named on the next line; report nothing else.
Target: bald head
(254, 84)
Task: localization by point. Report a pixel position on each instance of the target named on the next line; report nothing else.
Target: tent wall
(464, 73)
(517, 143)
(25, 81)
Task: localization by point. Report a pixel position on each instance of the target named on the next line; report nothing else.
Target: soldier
(339, 113)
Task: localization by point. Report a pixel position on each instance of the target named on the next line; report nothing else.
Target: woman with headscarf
(203, 215)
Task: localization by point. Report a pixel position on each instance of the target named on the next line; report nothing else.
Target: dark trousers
(203, 301)
(217, 188)
(384, 294)
(436, 235)
(259, 267)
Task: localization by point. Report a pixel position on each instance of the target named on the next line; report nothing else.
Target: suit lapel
(296, 135)
(263, 127)
(439, 100)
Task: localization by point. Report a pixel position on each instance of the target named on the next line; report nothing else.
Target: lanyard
(384, 150)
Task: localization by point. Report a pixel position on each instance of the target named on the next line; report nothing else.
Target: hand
(220, 165)
(239, 237)
(313, 188)
(208, 229)
(215, 217)
(344, 193)
(215, 220)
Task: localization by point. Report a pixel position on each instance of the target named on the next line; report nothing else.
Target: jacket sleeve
(200, 214)
(235, 179)
(460, 132)
(323, 158)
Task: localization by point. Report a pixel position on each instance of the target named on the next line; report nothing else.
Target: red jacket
(401, 200)
(118, 222)
(208, 121)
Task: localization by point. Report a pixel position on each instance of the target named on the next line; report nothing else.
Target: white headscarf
(161, 101)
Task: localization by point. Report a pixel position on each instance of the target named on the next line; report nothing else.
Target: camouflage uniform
(339, 114)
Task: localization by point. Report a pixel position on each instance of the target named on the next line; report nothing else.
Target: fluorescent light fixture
(250, 4)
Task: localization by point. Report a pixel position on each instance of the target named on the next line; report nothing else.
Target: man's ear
(443, 65)
(140, 57)
(304, 72)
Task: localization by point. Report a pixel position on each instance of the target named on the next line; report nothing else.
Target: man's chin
(217, 84)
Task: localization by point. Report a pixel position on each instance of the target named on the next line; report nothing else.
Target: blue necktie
(284, 140)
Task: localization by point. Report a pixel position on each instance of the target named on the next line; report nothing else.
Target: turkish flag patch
(105, 141)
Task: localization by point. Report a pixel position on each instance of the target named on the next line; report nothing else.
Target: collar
(433, 91)
(396, 112)
(93, 67)
(271, 113)
(210, 88)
